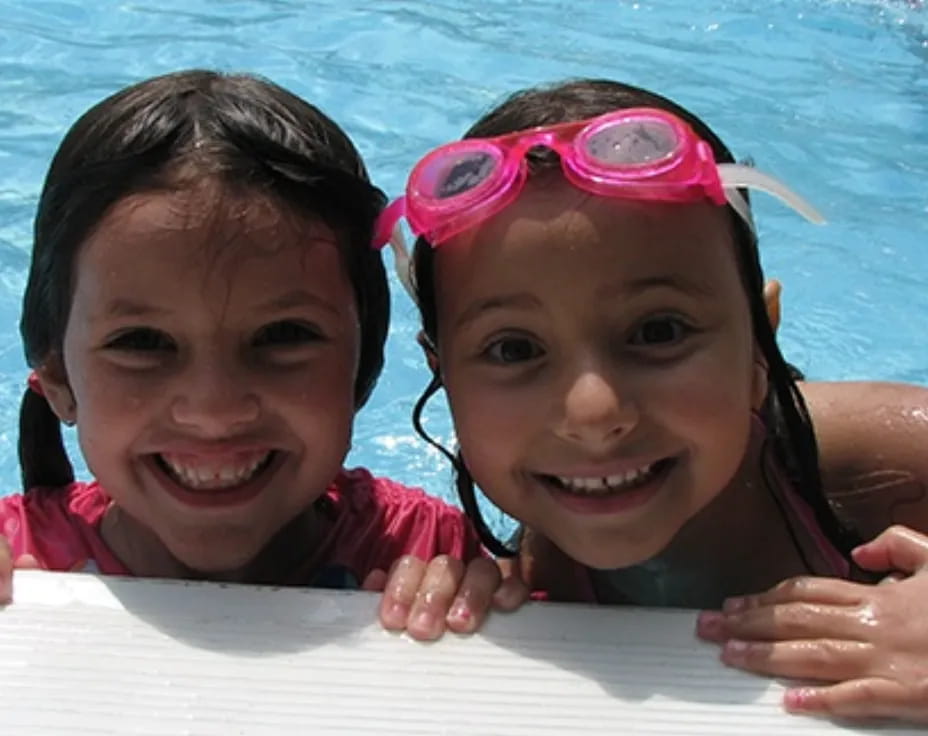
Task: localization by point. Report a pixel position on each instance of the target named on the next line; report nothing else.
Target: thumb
(26, 562)
(513, 591)
(375, 581)
(898, 548)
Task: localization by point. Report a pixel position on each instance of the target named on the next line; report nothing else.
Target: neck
(745, 541)
(287, 559)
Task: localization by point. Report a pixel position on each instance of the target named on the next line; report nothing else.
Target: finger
(807, 589)
(893, 577)
(898, 548)
(474, 597)
(375, 581)
(436, 592)
(400, 591)
(829, 660)
(797, 620)
(868, 698)
(6, 571)
(26, 562)
(511, 594)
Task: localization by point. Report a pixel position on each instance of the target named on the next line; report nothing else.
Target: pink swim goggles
(638, 154)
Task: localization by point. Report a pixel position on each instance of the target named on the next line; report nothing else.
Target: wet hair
(246, 133)
(789, 424)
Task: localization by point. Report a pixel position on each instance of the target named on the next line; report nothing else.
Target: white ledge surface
(81, 654)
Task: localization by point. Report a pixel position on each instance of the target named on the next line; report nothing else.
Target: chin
(216, 560)
(603, 557)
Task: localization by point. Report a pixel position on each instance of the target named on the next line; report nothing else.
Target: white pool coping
(81, 654)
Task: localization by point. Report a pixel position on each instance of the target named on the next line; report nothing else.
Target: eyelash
(293, 334)
(684, 330)
(489, 352)
(141, 339)
(276, 334)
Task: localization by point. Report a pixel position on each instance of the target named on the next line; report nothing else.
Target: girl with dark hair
(593, 304)
(204, 305)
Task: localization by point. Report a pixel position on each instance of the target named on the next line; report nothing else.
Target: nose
(215, 398)
(596, 409)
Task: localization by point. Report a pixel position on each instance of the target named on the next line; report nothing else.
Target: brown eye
(286, 332)
(513, 350)
(660, 331)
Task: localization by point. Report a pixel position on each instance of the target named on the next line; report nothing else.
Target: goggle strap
(401, 261)
(740, 205)
(734, 176)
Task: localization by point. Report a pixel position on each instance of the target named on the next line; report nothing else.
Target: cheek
(493, 424)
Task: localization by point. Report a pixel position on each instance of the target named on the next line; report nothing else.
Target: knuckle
(407, 562)
(795, 616)
(797, 585)
(445, 565)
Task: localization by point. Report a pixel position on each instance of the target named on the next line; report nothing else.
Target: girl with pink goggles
(638, 153)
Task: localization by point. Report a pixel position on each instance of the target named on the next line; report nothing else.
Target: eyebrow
(525, 301)
(121, 307)
(677, 283)
(520, 300)
(128, 308)
(298, 298)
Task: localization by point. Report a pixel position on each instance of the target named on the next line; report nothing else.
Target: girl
(592, 302)
(204, 305)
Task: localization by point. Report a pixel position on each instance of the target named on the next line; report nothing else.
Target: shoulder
(410, 520)
(873, 451)
(366, 489)
(52, 523)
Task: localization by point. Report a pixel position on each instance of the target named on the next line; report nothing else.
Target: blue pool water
(831, 96)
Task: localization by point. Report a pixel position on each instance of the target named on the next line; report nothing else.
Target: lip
(215, 498)
(602, 470)
(619, 502)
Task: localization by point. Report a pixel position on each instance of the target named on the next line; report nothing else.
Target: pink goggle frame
(638, 153)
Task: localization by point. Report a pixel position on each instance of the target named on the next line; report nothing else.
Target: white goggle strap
(401, 261)
(735, 176)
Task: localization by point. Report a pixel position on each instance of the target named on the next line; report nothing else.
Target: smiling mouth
(592, 486)
(215, 476)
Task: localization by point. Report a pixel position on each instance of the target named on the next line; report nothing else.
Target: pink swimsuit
(372, 522)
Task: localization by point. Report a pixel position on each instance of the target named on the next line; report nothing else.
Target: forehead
(555, 233)
(175, 240)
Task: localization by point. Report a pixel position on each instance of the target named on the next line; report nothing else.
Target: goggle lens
(632, 143)
(447, 177)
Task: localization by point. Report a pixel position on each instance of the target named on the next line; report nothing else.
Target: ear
(772, 291)
(428, 347)
(760, 382)
(57, 391)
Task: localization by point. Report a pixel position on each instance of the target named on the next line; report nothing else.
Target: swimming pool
(831, 96)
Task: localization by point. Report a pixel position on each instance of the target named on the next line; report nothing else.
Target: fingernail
(734, 650)
(460, 612)
(797, 698)
(709, 624)
(396, 615)
(733, 605)
(425, 624)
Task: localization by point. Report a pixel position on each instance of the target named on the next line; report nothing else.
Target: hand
(869, 641)
(7, 564)
(425, 598)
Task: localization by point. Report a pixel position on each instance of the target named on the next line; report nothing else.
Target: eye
(660, 331)
(286, 333)
(141, 339)
(509, 350)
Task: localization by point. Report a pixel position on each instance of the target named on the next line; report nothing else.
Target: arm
(873, 450)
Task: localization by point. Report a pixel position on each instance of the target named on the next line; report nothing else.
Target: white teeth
(207, 476)
(606, 484)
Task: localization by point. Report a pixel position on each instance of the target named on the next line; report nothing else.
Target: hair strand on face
(785, 413)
